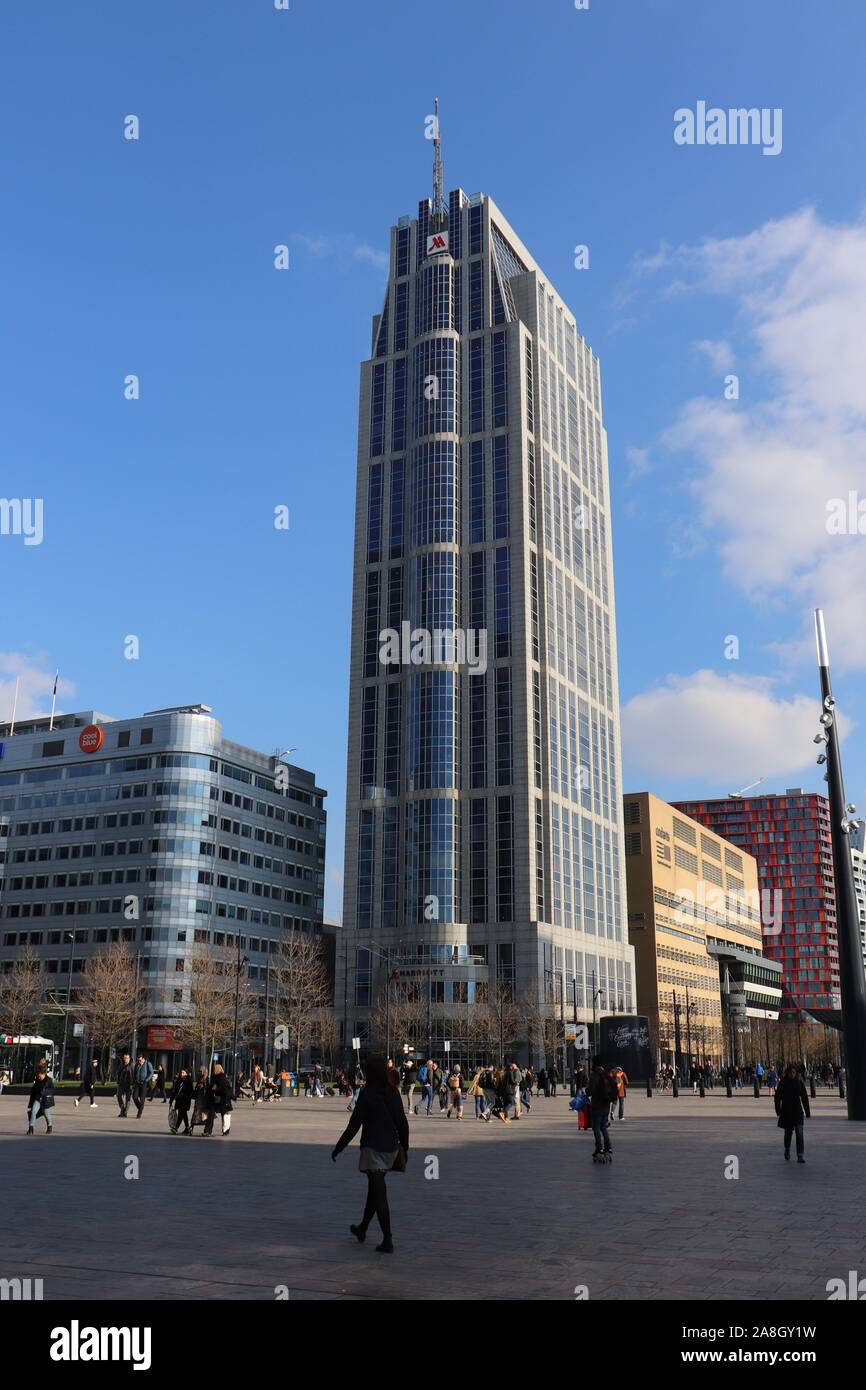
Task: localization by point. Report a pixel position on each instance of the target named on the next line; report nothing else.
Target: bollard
(757, 1086)
(701, 1090)
(676, 1086)
(649, 1088)
(728, 1091)
(812, 1091)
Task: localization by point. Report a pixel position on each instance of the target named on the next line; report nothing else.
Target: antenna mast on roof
(439, 213)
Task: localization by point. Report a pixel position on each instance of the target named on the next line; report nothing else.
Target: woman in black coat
(201, 1111)
(41, 1100)
(181, 1099)
(792, 1107)
(380, 1116)
(220, 1100)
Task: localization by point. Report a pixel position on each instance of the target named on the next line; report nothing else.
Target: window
(146, 736)
(123, 739)
(53, 749)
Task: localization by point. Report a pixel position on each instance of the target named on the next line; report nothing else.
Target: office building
(483, 826)
(789, 836)
(157, 831)
(694, 920)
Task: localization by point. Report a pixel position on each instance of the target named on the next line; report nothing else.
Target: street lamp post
(852, 979)
(71, 936)
(238, 964)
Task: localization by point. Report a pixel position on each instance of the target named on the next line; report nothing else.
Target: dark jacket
(597, 1090)
(42, 1091)
(181, 1093)
(380, 1117)
(221, 1093)
(792, 1102)
(124, 1078)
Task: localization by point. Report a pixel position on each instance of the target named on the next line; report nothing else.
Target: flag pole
(14, 707)
(53, 700)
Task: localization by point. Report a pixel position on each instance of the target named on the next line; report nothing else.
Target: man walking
(141, 1074)
(88, 1085)
(123, 1091)
(600, 1092)
(425, 1077)
(792, 1107)
(517, 1079)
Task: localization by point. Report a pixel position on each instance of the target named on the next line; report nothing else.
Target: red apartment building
(789, 836)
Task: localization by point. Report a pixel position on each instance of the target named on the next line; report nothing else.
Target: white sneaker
(93, 1105)
(76, 1105)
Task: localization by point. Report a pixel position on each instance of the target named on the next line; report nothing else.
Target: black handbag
(399, 1164)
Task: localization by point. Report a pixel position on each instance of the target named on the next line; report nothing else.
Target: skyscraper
(484, 825)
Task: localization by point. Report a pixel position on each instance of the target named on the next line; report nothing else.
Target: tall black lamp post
(852, 978)
(71, 935)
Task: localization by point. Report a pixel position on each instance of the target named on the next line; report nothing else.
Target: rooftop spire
(439, 210)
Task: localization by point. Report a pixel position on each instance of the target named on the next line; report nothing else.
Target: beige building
(694, 920)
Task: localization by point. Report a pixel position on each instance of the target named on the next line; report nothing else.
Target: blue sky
(306, 127)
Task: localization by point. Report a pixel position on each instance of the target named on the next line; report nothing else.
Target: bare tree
(399, 1015)
(216, 989)
(109, 1000)
(22, 995)
(301, 989)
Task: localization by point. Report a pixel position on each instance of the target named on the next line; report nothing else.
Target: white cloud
(35, 683)
(346, 250)
(769, 464)
(728, 729)
(718, 351)
(639, 463)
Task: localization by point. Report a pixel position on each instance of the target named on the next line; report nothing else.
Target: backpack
(422, 1075)
(610, 1087)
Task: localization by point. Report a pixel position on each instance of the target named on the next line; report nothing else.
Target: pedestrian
(4, 1080)
(772, 1079)
(792, 1107)
(601, 1090)
(455, 1093)
(409, 1081)
(580, 1079)
(220, 1100)
(123, 1091)
(41, 1100)
(257, 1081)
(380, 1117)
(476, 1091)
(357, 1083)
(526, 1095)
(621, 1083)
(502, 1084)
(141, 1074)
(181, 1099)
(544, 1082)
(425, 1079)
(554, 1077)
(516, 1076)
(157, 1085)
(201, 1099)
(88, 1085)
(442, 1077)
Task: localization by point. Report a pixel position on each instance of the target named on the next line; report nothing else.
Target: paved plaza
(516, 1212)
